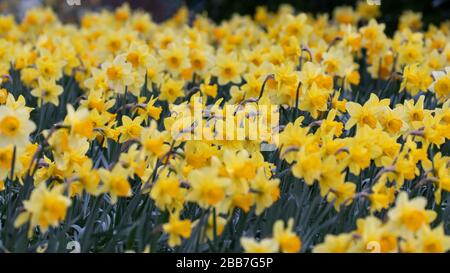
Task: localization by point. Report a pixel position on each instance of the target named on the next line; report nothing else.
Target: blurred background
(434, 11)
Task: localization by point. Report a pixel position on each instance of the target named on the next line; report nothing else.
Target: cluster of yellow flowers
(407, 230)
(120, 82)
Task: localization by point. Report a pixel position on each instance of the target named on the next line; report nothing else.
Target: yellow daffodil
(118, 74)
(45, 208)
(207, 188)
(115, 182)
(288, 241)
(366, 114)
(15, 126)
(168, 194)
(171, 90)
(177, 229)
(411, 214)
(441, 84)
(228, 69)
